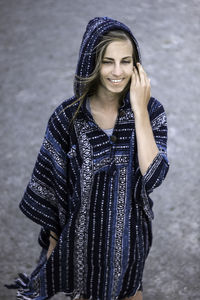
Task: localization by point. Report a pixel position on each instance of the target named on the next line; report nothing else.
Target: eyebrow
(109, 58)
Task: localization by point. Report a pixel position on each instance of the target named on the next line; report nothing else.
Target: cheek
(104, 74)
(104, 71)
(130, 71)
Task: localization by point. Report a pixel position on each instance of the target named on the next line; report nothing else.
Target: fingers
(135, 78)
(140, 75)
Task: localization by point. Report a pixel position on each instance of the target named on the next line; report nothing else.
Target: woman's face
(116, 66)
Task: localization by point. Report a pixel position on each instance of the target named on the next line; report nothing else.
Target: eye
(126, 61)
(106, 62)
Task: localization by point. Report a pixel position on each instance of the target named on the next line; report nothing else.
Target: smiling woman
(103, 153)
(115, 74)
(117, 67)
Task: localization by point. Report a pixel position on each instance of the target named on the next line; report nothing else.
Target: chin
(116, 91)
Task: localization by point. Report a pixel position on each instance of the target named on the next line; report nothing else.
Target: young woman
(103, 153)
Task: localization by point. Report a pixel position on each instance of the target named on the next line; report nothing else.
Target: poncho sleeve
(46, 190)
(157, 171)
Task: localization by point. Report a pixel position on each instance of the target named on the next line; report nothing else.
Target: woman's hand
(140, 90)
(139, 98)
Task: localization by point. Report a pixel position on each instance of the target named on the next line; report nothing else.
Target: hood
(95, 29)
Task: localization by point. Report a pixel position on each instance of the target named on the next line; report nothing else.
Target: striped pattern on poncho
(88, 188)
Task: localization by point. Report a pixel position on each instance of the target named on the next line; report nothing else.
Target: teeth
(115, 80)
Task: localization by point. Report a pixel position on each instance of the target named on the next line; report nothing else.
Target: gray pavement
(39, 43)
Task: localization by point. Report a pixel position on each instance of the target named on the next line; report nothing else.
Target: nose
(117, 70)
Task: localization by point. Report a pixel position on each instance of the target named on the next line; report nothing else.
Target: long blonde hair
(89, 85)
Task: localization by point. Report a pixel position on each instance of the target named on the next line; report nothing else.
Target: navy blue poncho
(87, 188)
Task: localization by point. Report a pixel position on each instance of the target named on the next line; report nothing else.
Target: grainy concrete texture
(39, 43)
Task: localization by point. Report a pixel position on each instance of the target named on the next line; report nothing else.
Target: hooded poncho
(87, 188)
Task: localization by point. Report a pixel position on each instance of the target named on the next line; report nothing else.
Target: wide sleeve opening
(47, 186)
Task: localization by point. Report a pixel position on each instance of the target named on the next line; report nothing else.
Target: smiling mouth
(116, 80)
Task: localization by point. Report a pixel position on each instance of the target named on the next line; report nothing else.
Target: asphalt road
(39, 43)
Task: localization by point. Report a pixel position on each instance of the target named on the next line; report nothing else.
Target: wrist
(141, 113)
